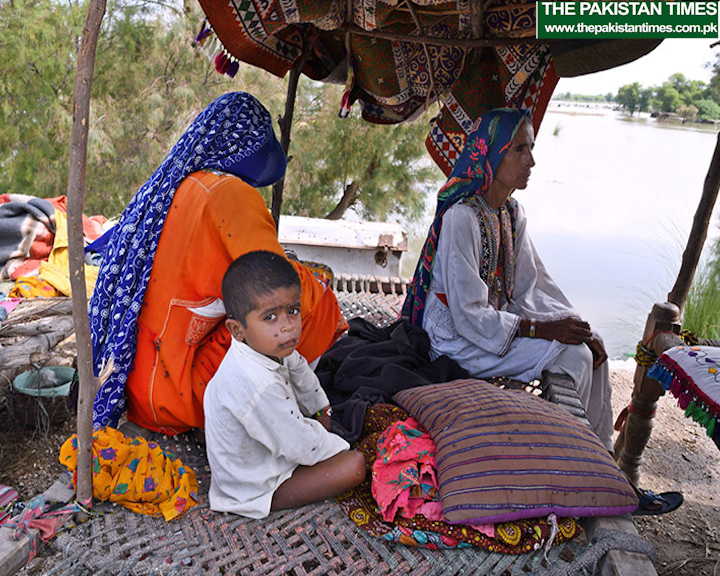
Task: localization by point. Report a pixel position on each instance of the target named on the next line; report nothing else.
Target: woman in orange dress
(157, 308)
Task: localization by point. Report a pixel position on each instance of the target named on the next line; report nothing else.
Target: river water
(610, 205)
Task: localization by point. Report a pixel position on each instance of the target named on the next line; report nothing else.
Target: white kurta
(483, 340)
(257, 431)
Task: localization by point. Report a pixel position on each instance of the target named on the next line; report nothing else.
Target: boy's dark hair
(252, 275)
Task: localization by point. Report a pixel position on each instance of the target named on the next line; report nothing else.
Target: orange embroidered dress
(181, 338)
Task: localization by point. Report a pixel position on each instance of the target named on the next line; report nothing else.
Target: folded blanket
(404, 480)
(27, 230)
(34, 242)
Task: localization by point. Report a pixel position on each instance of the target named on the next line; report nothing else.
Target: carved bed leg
(639, 421)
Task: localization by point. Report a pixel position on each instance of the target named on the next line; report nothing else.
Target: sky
(688, 56)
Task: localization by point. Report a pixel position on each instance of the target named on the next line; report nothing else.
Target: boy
(266, 451)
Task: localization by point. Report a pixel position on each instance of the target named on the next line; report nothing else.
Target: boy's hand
(323, 416)
(325, 421)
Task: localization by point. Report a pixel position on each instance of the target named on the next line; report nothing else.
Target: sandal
(653, 504)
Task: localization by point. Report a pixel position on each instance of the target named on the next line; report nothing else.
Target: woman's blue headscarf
(233, 134)
(473, 173)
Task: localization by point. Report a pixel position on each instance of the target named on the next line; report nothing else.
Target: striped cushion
(504, 455)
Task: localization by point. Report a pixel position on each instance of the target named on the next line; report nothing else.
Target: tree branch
(351, 192)
(347, 200)
(75, 194)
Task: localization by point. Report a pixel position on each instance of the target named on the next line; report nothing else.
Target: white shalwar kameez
(484, 340)
(258, 428)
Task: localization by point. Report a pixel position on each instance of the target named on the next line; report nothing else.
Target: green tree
(148, 85)
(338, 164)
(628, 97)
(688, 90)
(713, 88)
(708, 109)
(667, 98)
(37, 58)
(644, 98)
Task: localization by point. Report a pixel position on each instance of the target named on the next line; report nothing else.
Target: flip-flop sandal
(653, 504)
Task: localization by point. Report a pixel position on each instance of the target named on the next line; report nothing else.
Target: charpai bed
(324, 538)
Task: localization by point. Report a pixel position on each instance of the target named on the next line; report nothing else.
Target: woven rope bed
(317, 540)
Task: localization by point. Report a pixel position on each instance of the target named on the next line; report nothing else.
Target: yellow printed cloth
(56, 270)
(33, 287)
(136, 474)
(53, 277)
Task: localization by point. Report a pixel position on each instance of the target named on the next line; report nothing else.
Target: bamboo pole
(477, 19)
(698, 233)
(510, 39)
(75, 193)
(285, 122)
(454, 12)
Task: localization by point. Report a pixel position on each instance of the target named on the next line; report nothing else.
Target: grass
(702, 310)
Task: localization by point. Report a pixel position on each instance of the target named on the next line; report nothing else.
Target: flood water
(610, 205)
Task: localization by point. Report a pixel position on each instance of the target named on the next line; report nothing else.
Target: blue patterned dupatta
(233, 134)
(473, 173)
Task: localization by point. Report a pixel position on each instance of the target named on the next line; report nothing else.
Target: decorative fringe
(690, 338)
(552, 520)
(207, 42)
(645, 356)
(682, 388)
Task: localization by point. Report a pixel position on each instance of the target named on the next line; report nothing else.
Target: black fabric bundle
(370, 364)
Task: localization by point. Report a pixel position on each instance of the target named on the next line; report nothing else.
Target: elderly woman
(156, 311)
(480, 289)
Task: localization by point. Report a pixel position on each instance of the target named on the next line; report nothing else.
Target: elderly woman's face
(514, 169)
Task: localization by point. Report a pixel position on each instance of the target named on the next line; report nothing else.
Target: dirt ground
(679, 456)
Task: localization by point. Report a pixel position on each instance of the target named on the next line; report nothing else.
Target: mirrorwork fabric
(692, 375)
(394, 80)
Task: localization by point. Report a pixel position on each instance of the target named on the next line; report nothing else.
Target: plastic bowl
(27, 382)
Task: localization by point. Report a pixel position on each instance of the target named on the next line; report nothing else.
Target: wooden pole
(75, 193)
(698, 234)
(477, 19)
(526, 37)
(665, 321)
(285, 123)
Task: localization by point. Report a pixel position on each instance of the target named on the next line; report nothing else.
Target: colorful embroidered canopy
(398, 56)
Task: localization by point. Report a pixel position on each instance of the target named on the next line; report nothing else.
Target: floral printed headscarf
(233, 134)
(473, 173)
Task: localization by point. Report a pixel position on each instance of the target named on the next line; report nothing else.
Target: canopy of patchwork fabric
(396, 57)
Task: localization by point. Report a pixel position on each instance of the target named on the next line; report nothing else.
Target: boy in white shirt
(267, 419)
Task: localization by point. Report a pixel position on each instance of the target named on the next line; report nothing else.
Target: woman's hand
(568, 331)
(598, 352)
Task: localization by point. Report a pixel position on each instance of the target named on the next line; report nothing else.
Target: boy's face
(273, 327)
